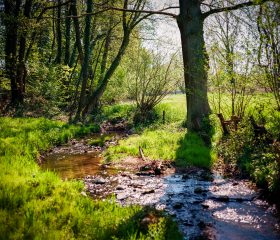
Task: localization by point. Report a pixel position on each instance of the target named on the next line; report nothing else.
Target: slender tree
(21, 66)
(58, 34)
(85, 65)
(67, 34)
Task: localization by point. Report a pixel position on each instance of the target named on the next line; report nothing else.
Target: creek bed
(204, 205)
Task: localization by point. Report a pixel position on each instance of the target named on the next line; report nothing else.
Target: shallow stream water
(213, 208)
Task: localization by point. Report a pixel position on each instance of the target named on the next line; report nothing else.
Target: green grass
(170, 141)
(99, 141)
(115, 112)
(36, 204)
(166, 141)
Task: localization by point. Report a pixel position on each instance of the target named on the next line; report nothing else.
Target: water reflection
(73, 166)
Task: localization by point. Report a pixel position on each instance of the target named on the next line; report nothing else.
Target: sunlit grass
(36, 204)
(166, 139)
(184, 149)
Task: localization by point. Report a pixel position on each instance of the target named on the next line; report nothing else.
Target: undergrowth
(255, 156)
(36, 204)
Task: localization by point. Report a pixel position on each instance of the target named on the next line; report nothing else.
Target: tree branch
(150, 12)
(51, 7)
(235, 7)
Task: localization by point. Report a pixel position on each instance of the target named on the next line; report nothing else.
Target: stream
(205, 206)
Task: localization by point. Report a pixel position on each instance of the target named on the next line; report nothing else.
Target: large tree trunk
(190, 22)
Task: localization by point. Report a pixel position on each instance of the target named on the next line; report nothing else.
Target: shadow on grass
(195, 149)
(193, 152)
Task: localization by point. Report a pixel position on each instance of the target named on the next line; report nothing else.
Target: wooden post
(163, 117)
(235, 121)
(142, 154)
(223, 123)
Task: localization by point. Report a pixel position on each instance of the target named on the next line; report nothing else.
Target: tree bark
(85, 66)
(73, 55)
(94, 99)
(74, 12)
(190, 22)
(67, 35)
(21, 67)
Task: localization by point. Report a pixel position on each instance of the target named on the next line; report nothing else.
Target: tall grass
(36, 204)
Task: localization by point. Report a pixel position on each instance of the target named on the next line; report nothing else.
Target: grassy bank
(36, 204)
(167, 140)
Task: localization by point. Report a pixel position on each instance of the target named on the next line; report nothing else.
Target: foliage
(36, 204)
(151, 79)
(117, 89)
(50, 90)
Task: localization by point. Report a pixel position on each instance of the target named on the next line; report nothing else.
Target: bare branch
(150, 12)
(51, 7)
(234, 7)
